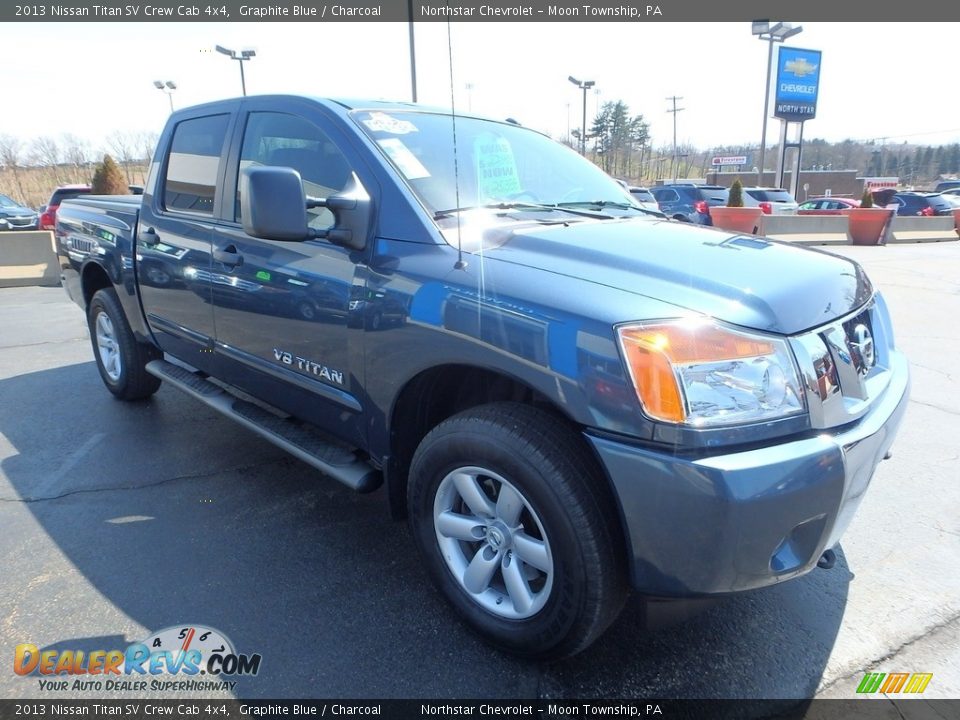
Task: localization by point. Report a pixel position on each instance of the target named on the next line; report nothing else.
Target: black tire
(127, 379)
(545, 461)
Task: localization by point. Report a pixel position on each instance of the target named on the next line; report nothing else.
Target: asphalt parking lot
(119, 519)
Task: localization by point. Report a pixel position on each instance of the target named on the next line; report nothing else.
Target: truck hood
(743, 280)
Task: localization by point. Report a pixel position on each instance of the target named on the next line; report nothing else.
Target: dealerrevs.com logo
(177, 658)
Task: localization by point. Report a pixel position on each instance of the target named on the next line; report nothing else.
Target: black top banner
(474, 11)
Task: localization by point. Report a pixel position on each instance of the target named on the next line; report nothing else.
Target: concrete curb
(28, 258)
(922, 229)
(806, 229)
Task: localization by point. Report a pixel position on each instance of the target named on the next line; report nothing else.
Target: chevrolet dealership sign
(798, 82)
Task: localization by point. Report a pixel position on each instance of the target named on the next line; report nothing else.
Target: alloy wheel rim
(493, 542)
(108, 347)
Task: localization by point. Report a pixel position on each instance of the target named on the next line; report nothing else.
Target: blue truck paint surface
(340, 337)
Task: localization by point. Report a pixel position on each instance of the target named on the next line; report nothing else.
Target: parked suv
(916, 203)
(689, 202)
(14, 216)
(947, 185)
(48, 218)
(773, 201)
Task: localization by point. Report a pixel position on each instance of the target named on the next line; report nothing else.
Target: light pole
(674, 111)
(239, 56)
(777, 32)
(167, 86)
(585, 85)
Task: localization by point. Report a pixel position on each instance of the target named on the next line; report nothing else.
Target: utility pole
(674, 112)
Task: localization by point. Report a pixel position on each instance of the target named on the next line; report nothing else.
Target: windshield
(8, 202)
(497, 163)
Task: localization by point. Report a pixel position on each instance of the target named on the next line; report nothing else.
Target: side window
(283, 140)
(194, 164)
(667, 196)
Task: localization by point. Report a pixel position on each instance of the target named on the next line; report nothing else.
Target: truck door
(282, 309)
(174, 239)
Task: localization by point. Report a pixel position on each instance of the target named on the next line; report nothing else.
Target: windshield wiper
(608, 204)
(561, 207)
(494, 206)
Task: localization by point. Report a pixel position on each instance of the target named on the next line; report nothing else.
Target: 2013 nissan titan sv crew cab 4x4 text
(565, 394)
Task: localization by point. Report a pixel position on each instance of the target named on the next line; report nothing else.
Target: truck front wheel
(121, 360)
(517, 529)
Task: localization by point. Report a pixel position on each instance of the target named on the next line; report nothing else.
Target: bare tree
(45, 151)
(124, 146)
(11, 157)
(146, 144)
(76, 153)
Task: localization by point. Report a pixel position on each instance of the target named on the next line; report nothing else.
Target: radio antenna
(456, 167)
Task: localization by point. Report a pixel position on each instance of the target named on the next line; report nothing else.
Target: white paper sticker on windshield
(408, 163)
(497, 177)
(381, 122)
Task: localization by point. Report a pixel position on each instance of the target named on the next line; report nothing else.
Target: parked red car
(827, 206)
(48, 218)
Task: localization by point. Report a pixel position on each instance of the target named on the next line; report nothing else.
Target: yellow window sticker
(401, 156)
(497, 177)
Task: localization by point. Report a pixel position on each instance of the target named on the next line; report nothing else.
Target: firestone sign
(798, 82)
(722, 160)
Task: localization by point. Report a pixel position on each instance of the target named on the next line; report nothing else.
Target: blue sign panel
(798, 82)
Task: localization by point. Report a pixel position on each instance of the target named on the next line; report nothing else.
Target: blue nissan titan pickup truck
(566, 395)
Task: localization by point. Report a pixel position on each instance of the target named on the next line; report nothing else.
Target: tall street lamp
(167, 86)
(585, 85)
(777, 32)
(239, 56)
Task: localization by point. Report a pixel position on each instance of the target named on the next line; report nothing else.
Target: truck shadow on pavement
(164, 513)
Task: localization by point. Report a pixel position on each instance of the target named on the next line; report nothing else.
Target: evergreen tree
(108, 179)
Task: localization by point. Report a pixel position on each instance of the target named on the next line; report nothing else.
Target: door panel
(282, 309)
(174, 238)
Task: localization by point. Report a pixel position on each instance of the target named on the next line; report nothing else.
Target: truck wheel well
(433, 396)
(95, 278)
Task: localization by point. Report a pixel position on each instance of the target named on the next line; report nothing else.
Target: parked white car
(773, 201)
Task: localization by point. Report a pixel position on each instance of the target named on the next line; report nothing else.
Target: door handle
(149, 237)
(229, 256)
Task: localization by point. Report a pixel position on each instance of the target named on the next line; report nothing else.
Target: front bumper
(725, 523)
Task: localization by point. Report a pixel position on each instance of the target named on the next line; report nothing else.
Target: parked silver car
(773, 201)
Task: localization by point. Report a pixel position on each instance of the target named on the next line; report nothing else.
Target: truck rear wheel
(121, 360)
(516, 529)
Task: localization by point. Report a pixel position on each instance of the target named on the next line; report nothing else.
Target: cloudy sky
(883, 80)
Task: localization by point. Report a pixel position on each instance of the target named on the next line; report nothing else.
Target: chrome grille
(845, 364)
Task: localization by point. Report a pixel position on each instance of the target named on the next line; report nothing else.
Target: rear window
(643, 195)
(194, 164)
(60, 195)
(780, 196)
(714, 195)
(938, 202)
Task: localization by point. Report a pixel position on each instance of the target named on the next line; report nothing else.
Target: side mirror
(272, 203)
(274, 207)
(353, 210)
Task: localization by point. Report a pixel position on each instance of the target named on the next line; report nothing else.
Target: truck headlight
(701, 373)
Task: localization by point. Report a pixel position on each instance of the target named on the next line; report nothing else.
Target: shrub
(736, 194)
(108, 179)
(866, 200)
